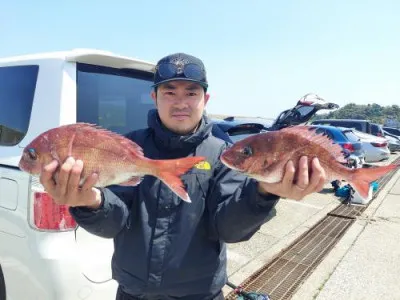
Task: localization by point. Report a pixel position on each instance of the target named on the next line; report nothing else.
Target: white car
(43, 254)
(376, 148)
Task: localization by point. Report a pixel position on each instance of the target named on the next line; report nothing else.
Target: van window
(115, 99)
(17, 90)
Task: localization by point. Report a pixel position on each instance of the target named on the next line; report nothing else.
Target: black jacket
(167, 248)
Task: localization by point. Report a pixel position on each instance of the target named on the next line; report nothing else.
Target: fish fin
(71, 142)
(362, 178)
(126, 142)
(168, 171)
(136, 180)
(310, 134)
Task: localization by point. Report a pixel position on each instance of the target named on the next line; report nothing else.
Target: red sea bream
(264, 156)
(116, 159)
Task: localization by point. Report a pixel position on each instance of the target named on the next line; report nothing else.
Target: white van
(43, 254)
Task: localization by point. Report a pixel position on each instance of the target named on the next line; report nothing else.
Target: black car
(233, 130)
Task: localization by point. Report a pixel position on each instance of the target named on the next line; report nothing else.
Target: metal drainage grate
(347, 211)
(281, 277)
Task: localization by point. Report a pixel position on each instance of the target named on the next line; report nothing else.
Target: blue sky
(261, 56)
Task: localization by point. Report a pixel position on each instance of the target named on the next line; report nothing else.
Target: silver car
(376, 148)
(394, 141)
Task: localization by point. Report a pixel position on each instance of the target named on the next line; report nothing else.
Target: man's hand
(66, 190)
(299, 187)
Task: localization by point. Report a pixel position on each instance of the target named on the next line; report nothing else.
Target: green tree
(373, 112)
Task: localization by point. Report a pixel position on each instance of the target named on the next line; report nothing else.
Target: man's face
(180, 105)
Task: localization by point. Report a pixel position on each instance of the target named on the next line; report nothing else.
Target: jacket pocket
(196, 183)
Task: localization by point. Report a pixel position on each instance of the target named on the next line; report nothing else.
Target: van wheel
(2, 286)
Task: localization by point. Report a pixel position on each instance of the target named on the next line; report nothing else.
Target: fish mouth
(226, 161)
(21, 165)
(28, 168)
(223, 160)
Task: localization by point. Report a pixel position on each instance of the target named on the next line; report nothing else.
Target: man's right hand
(67, 190)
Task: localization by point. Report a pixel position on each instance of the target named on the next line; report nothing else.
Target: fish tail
(362, 178)
(168, 171)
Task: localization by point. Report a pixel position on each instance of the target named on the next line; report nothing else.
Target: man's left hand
(299, 187)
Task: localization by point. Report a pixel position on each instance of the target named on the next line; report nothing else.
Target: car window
(330, 135)
(376, 130)
(351, 136)
(17, 91)
(320, 131)
(326, 132)
(115, 99)
(298, 115)
(392, 130)
(305, 110)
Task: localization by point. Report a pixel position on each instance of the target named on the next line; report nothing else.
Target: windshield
(115, 99)
(296, 115)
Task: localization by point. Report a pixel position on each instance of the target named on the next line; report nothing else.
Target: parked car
(393, 140)
(376, 129)
(306, 107)
(391, 130)
(345, 138)
(375, 147)
(43, 253)
(233, 129)
(360, 125)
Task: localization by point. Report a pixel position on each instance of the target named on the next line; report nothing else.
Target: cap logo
(180, 62)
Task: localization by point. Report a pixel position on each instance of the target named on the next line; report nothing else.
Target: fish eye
(32, 153)
(247, 151)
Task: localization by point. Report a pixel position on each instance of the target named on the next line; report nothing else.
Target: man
(166, 248)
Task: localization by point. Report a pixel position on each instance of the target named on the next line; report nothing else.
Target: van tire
(2, 285)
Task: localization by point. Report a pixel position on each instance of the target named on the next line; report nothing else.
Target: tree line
(373, 112)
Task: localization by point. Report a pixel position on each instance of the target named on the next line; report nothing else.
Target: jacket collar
(168, 140)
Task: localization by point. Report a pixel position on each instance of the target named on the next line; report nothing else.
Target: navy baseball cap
(180, 66)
